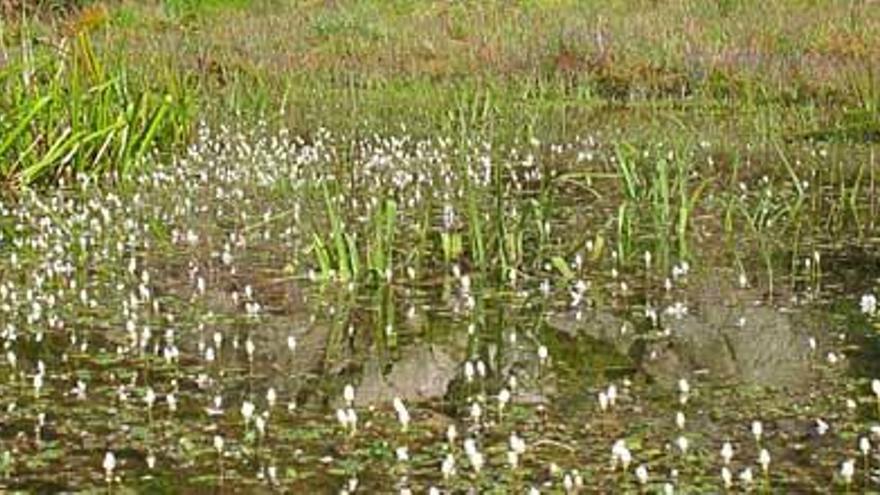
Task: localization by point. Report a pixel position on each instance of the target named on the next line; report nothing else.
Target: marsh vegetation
(437, 247)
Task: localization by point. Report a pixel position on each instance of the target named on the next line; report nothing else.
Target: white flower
(619, 446)
(352, 485)
(542, 353)
(352, 419)
(474, 456)
(217, 408)
(726, 477)
(402, 414)
(476, 411)
(847, 469)
(503, 398)
(612, 394)
(642, 474)
(684, 387)
(868, 304)
(620, 453)
(247, 410)
(512, 459)
(469, 371)
(80, 390)
(109, 465)
(746, 476)
(568, 483)
(679, 420)
(864, 445)
(682, 443)
(603, 401)
(342, 417)
(875, 387)
(821, 427)
(726, 452)
(448, 466)
(757, 430)
(451, 434)
(402, 454)
(218, 444)
(348, 394)
(764, 459)
(470, 446)
(625, 458)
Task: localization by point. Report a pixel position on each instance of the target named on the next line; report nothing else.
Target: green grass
(69, 113)
(477, 63)
(743, 72)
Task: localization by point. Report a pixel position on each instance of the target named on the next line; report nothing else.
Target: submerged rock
(424, 373)
(724, 335)
(753, 345)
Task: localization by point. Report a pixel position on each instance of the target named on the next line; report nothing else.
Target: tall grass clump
(65, 112)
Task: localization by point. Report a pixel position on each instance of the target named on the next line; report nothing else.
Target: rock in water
(724, 335)
(424, 373)
(752, 345)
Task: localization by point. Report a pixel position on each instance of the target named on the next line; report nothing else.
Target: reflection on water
(421, 346)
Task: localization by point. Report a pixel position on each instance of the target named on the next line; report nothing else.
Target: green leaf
(562, 267)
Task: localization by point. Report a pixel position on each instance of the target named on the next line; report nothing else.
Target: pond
(268, 312)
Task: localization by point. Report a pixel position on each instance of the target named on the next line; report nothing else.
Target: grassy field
(561, 246)
(751, 72)
(552, 69)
